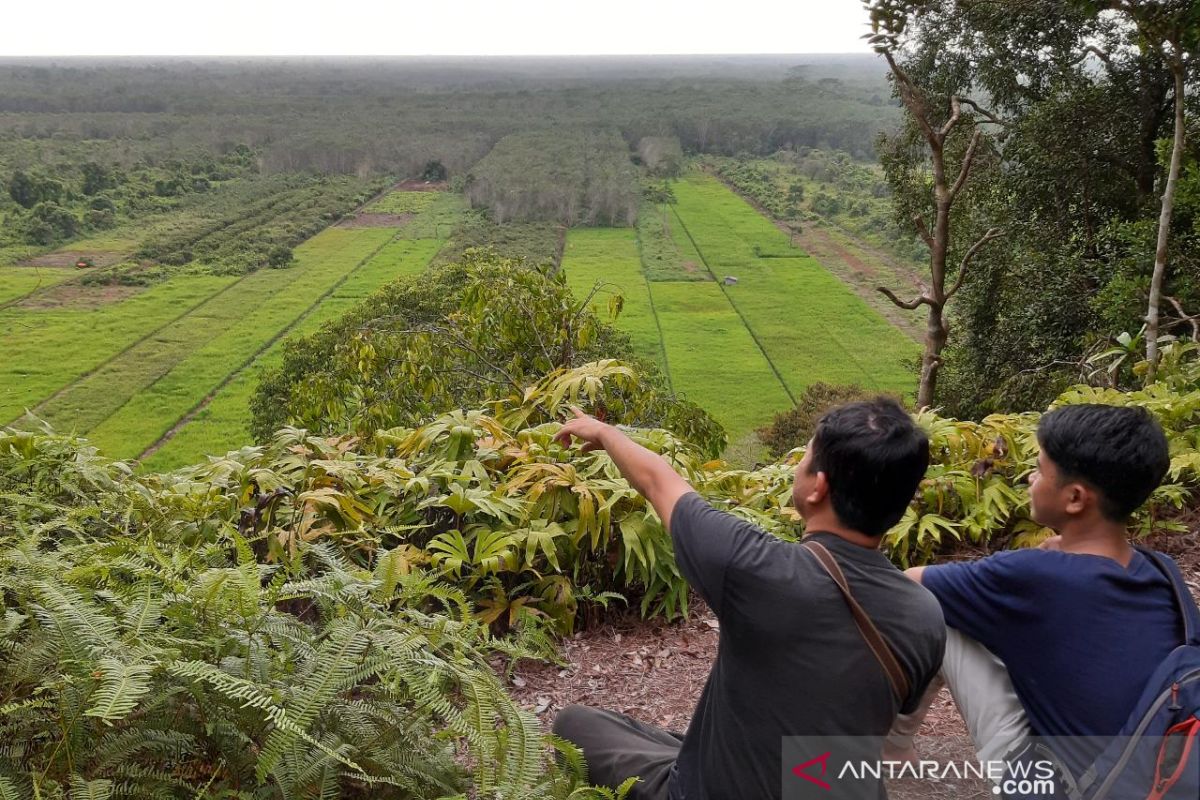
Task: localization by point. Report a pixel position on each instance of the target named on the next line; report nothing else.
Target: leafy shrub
(794, 427)
(49, 223)
(437, 341)
(149, 647)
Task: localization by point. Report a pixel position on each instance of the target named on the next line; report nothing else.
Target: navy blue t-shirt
(1080, 634)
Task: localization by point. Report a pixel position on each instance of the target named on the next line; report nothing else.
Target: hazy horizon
(472, 28)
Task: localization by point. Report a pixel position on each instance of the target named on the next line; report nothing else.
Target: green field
(165, 373)
(609, 256)
(45, 350)
(222, 422)
(713, 357)
(402, 203)
(745, 350)
(809, 323)
(167, 370)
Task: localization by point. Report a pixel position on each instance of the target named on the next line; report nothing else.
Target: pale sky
(430, 27)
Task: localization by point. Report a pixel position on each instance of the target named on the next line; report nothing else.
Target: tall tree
(937, 119)
(1172, 29)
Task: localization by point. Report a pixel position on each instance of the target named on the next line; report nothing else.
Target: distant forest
(364, 116)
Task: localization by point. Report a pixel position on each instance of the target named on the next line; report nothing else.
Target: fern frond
(99, 789)
(121, 687)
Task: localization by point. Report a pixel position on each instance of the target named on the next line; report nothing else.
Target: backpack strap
(1183, 597)
(879, 646)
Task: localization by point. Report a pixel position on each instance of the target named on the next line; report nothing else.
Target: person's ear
(819, 491)
(1078, 497)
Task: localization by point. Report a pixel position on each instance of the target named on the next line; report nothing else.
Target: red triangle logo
(800, 770)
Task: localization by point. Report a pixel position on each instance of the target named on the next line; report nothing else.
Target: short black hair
(874, 457)
(1120, 451)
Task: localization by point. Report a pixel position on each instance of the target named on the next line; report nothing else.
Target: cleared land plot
(810, 324)
(610, 256)
(19, 278)
(222, 423)
(713, 358)
(193, 357)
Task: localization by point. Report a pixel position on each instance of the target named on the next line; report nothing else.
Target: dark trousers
(617, 747)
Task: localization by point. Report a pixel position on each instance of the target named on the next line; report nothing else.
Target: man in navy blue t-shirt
(1059, 641)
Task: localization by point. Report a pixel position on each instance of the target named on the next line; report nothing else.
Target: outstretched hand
(586, 428)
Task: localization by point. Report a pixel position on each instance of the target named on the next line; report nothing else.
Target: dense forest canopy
(1063, 115)
(395, 115)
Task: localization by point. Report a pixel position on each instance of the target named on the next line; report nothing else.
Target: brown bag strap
(875, 640)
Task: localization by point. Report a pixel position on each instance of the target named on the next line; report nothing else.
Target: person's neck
(1097, 536)
(829, 523)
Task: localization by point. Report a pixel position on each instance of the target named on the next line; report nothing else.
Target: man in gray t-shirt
(791, 661)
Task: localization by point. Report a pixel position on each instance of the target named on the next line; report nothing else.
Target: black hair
(1120, 451)
(874, 457)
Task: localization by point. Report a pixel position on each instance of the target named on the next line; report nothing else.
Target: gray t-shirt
(790, 660)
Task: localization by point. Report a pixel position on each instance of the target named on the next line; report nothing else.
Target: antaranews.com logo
(849, 768)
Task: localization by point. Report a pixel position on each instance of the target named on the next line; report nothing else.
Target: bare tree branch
(1096, 51)
(992, 233)
(968, 159)
(923, 230)
(983, 112)
(910, 96)
(910, 305)
(955, 113)
(1193, 319)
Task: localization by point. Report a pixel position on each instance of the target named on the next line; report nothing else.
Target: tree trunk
(936, 330)
(1164, 217)
(936, 334)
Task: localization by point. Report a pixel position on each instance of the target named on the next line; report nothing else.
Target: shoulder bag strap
(1183, 597)
(879, 646)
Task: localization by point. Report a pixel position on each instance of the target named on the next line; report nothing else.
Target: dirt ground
(654, 671)
(69, 258)
(78, 295)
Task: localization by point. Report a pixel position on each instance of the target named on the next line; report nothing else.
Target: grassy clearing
(809, 323)
(666, 256)
(223, 423)
(88, 401)
(610, 256)
(396, 259)
(713, 359)
(814, 329)
(150, 409)
(438, 219)
(402, 203)
(45, 350)
(725, 227)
